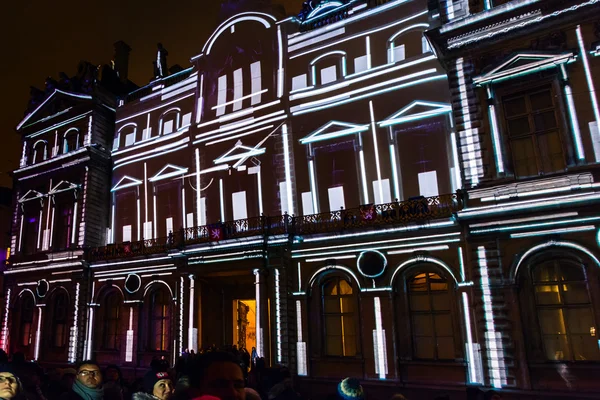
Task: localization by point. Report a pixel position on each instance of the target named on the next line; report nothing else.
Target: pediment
(522, 63)
(416, 110)
(126, 182)
(63, 186)
(30, 195)
(168, 171)
(333, 129)
(239, 152)
(56, 104)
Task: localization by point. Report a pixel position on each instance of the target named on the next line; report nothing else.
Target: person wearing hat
(157, 386)
(350, 389)
(10, 385)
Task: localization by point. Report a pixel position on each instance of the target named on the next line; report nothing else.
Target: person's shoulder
(70, 395)
(142, 396)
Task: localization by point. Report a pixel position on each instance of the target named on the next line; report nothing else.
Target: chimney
(121, 60)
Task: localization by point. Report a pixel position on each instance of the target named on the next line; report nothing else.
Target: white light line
(585, 228)
(588, 75)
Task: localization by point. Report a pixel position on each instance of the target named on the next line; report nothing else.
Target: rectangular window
(336, 198)
(202, 211)
(299, 82)
(361, 64)
(256, 75)
(127, 233)
(328, 75)
(533, 133)
(187, 119)
(283, 198)
(425, 45)
(148, 230)
(595, 134)
(146, 133)
(428, 184)
(222, 94)
(238, 88)
(130, 139)
(169, 225)
(385, 188)
(115, 146)
(398, 53)
(307, 203)
(168, 127)
(240, 209)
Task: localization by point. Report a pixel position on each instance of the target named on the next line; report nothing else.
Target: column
(262, 314)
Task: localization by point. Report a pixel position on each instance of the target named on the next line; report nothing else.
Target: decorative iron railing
(419, 209)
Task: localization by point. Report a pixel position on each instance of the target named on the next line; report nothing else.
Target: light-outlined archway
(322, 270)
(423, 260)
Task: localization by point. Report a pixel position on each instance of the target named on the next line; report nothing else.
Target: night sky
(43, 38)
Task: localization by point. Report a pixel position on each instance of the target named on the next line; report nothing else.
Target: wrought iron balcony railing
(420, 209)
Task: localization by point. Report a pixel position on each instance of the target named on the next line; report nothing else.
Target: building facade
(425, 218)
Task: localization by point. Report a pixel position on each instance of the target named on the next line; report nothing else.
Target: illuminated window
(159, 319)
(221, 95)
(299, 82)
(328, 75)
(238, 89)
(26, 328)
(256, 76)
(397, 52)
(425, 45)
(110, 323)
(40, 151)
(339, 318)
(431, 317)
(564, 311)
(70, 141)
(129, 132)
(63, 227)
(59, 320)
(533, 133)
(170, 122)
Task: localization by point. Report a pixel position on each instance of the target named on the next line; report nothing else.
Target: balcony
(416, 210)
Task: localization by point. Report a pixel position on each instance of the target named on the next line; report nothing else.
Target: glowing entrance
(244, 322)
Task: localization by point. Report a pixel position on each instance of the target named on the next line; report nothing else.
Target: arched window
(40, 151)
(159, 318)
(564, 311)
(328, 68)
(60, 320)
(170, 121)
(111, 310)
(26, 323)
(71, 140)
(408, 42)
(430, 308)
(339, 318)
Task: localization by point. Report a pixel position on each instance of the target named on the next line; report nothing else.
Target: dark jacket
(143, 396)
(70, 395)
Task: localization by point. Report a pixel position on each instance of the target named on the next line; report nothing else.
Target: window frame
(165, 320)
(68, 134)
(111, 295)
(353, 315)
(22, 320)
(60, 321)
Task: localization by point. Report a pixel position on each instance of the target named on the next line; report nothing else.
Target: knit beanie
(151, 378)
(350, 389)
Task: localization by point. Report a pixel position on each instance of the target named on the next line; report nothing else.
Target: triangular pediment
(522, 63)
(416, 110)
(334, 129)
(56, 104)
(169, 171)
(126, 182)
(63, 186)
(30, 195)
(239, 152)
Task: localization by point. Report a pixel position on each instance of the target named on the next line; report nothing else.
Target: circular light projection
(42, 288)
(371, 263)
(133, 283)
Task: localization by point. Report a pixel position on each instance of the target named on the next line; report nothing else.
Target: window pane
(345, 288)
(349, 328)
(440, 301)
(545, 273)
(524, 157)
(334, 346)
(518, 126)
(557, 347)
(332, 305)
(418, 283)
(580, 320)
(349, 345)
(585, 347)
(419, 302)
(575, 293)
(347, 305)
(445, 348)
(544, 120)
(547, 294)
(515, 106)
(437, 283)
(550, 150)
(333, 325)
(552, 321)
(571, 272)
(443, 325)
(330, 289)
(424, 347)
(541, 100)
(422, 325)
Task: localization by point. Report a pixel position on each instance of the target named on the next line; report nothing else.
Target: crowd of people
(212, 374)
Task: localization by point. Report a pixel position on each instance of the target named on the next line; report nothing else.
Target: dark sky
(43, 38)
